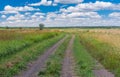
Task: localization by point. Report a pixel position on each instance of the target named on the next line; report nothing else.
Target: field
(60, 53)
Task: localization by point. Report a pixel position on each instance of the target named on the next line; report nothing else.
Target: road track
(68, 62)
(39, 64)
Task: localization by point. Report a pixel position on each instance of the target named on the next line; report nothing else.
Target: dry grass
(104, 45)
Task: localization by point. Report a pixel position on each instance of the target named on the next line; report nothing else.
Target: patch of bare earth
(38, 65)
(100, 71)
(68, 62)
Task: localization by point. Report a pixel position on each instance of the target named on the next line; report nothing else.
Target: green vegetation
(84, 62)
(11, 65)
(102, 50)
(54, 64)
(18, 48)
(15, 42)
(41, 26)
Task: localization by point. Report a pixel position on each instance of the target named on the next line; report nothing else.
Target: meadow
(104, 46)
(20, 48)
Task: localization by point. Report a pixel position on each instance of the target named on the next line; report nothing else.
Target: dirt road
(100, 71)
(39, 64)
(68, 66)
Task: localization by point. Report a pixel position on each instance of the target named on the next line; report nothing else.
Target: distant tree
(20, 27)
(7, 27)
(41, 26)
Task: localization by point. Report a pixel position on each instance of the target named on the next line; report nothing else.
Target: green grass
(84, 62)
(9, 47)
(54, 64)
(103, 52)
(19, 61)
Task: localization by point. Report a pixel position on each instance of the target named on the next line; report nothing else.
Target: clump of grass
(54, 64)
(84, 62)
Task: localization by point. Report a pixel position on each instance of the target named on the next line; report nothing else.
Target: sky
(59, 13)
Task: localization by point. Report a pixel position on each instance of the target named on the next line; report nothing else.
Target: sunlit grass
(16, 53)
(84, 61)
(105, 48)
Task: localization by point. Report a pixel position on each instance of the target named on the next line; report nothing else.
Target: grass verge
(14, 64)
(10, 47)
(103, 52)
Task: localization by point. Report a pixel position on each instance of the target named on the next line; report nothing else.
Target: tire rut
(39, 64)
(68, 62)
(100, 71)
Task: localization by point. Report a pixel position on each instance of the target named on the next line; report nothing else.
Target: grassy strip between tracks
(54, 63)
(14, 64)
(84, 62)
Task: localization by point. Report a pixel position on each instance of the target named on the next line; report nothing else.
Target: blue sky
(60, 12)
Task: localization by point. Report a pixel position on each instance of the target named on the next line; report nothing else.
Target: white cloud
(82, 22)
(64, 22)
(39, 13)
(115, 15)
(51, 16)
(68, 1)
(73, 18)
(27, 13)
(98, 5)
(11, 9)
(54, 4)
(9, 12)
(37, 16)
(33, 16)
(16, 17)
(42, 2)
(84, 15)
(3, 16)
(73, 15)
(26, 17)
(25, 8)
